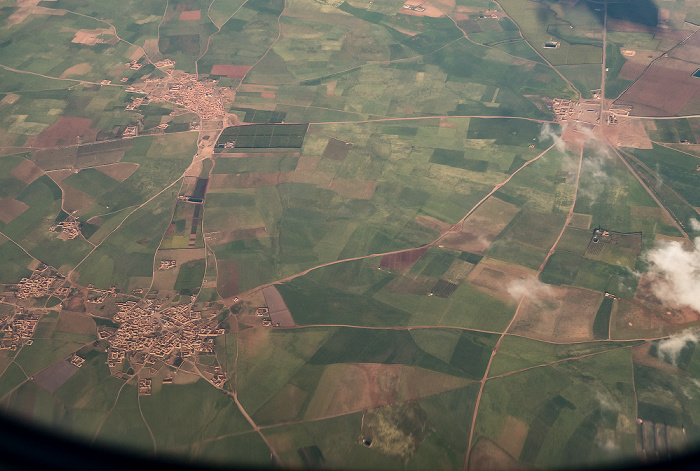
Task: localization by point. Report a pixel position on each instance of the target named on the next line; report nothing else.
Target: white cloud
(547, 133)
(532, 288)
(675, 274)
(695, 224)
(672, 346)
(607, 402)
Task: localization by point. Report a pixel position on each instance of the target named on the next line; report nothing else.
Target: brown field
(650, 211)
(345, 388)
(248, 180)
(330, 88)
(513, 435)
(357, 189)
(191, 15)
(30, 7)
(10, 208)
(227, 278)
(278, 311)
(482, 226)
(433, 223)
(65, 132)
(566, 314)
(487, 456)
(336, 149)
(76, 322)
(9, 99)
(628, 133)
(320, 179)
(632, 70)
(493, 276)
(119, 171)
(646, 314)
(74, 199)
(402, 260)
(90, 37)
(26, 171)
(419, 382)
(663, 90)
(78, 69)
(640, 354)
(231, 71)
(268, 94)
(59, 175)
(74, 304)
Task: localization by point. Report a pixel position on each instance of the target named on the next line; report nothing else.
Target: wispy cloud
(531, 288)
(547, 133)
(675, 273)
(670, 348)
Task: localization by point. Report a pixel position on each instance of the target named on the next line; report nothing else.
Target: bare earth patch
(513, 435)
(190, 15)
(26, 171)
(230, 71)
(487, 456)
(356, 387)
(493, 277)
(482, 226)
(433, 223)
(65, 132)
(428, 9)
(119, 171)
(564, 314)
(10, 208)
(78, 69)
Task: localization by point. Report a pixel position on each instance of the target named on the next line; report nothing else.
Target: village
(201, 97)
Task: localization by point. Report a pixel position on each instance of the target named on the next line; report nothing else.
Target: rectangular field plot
(263, 136)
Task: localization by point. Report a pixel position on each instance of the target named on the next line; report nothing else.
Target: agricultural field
(337, 234)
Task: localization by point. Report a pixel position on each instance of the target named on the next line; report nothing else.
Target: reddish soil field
(227, 278)
(230, 71)
(10, 208)
(365, 386)
(65, 131)
(336, 149)
(663, 90)
(267, 95)
(26, 171)
(402, 260)
(190, 15)
(433, 223)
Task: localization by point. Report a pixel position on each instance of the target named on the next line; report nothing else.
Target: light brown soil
(354, 188)
(628, 133)
(119, 171)
(65, 131)
(191, 15)
(78, 69)
(268, 94)
(10, 208)
(402, 260)
(513, 435)
(227, 278)
(663, 90)
(418, 382)
(564, 315)
(26, 171)
(482, 226)
(307, 163)
(75, 322)
(487, 456)
(433, 223)
(362, 386)
(493, 277)
(73, 199)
